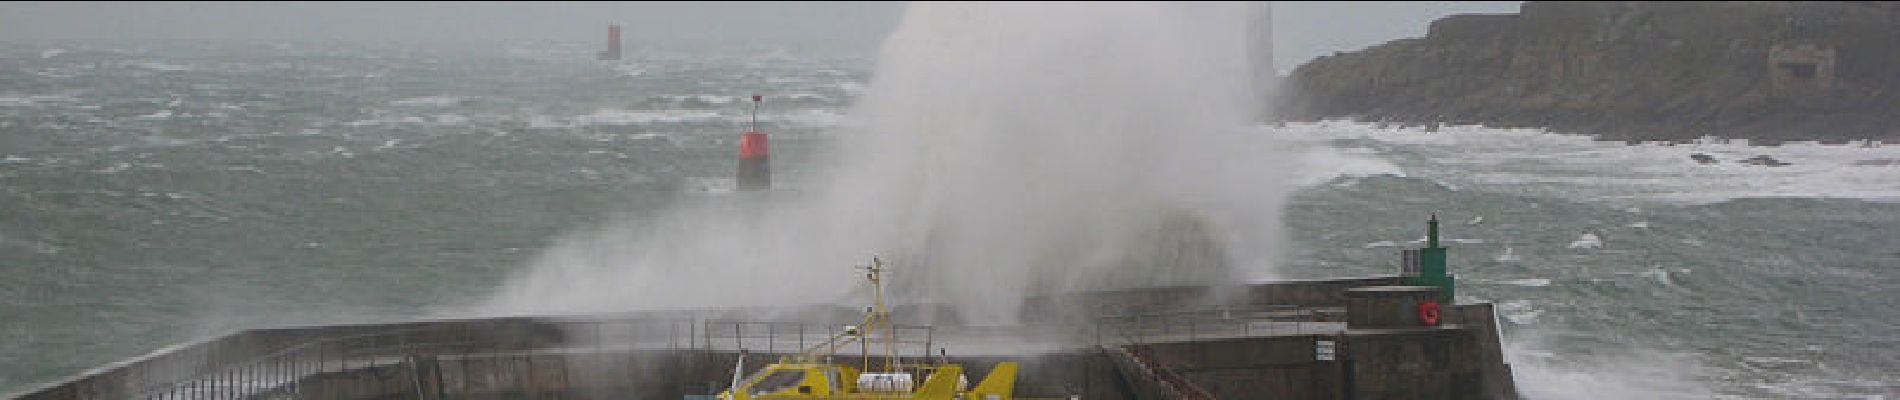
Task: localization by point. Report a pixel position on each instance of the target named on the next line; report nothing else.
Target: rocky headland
(1768, 71)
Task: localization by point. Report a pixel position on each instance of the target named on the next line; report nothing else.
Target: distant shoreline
(1768, 72)
(1432, 127)
(1428, 128)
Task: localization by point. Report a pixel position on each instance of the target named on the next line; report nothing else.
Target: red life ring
(1428, 312)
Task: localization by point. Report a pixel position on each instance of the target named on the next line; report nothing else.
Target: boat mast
(883, 314)
(878, 316)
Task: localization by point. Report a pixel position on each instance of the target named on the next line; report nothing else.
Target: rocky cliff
(1633, 70)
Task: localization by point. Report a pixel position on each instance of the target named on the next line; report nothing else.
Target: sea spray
(1615, 373)
(1000, 150)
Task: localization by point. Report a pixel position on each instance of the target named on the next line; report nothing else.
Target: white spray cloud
(1608, 374)
(1001, 149)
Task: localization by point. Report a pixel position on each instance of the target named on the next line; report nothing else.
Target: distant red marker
(755, 154)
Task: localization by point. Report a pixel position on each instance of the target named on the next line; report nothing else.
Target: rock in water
(1587, 241)
(1763, 160)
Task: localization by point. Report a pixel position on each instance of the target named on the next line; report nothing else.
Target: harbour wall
(1286, 339)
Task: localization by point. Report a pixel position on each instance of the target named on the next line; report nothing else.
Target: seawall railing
(293, 362)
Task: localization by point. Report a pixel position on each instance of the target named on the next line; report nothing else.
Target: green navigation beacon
(1426, 267)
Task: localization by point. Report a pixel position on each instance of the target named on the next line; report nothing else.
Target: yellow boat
(807, 376)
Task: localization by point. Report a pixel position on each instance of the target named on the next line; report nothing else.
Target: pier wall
(649, 375)
(1263, 368)
(1310, 294)
(1448, 362)
(1186, 342)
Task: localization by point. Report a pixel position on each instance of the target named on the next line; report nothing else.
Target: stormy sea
(157, 193)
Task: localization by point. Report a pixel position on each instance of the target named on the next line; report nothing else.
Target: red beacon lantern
(755, 155)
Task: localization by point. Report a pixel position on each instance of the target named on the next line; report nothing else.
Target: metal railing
(793, 337)
(1224, 322)
(1160, 381)
(388, 358)
(376, 361)
(288, 372)
(1123, 338)
(1156, 380)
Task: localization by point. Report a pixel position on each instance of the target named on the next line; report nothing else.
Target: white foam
(1508, 255)
(114, 168)
(1030, 155)
(1320, 163)
(1609, 373)
(710, 185)
(1659, 275)
(627, 117)
(427, 101)
(1773, 362)
(851, 88)
(548, 122)
(803, 97)
(812, 117)
(1528, 282)
(1587, 241)
(398, 120)
(1577, 166)
(160, 66)
(630, 70)
(1519, 312)
(55, 98)
(819, 117)
(450, 119)
(701, 98)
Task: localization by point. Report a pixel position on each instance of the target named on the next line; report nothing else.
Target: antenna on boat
(738, 371)
(890, 334)
(880, 315)
(877, 316)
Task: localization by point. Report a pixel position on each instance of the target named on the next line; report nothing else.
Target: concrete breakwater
(1307, 339)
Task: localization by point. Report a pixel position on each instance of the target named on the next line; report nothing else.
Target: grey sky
(1305, 29)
